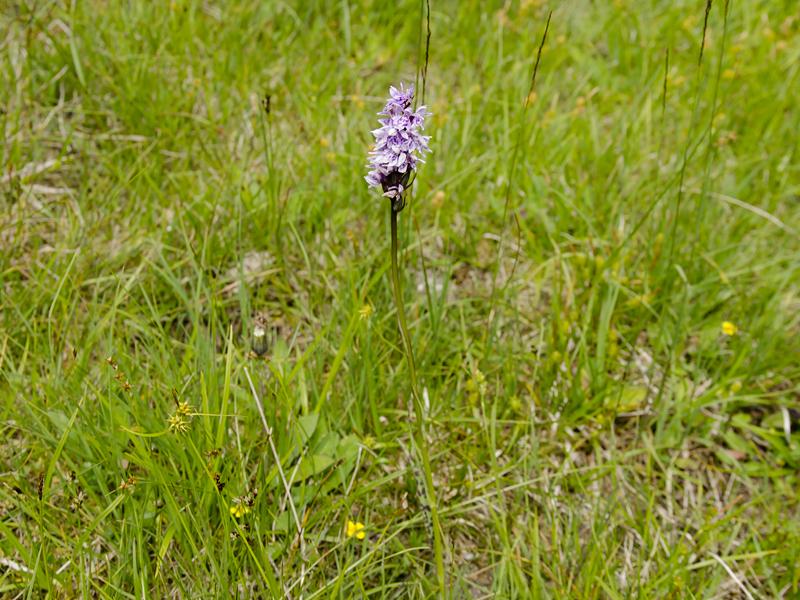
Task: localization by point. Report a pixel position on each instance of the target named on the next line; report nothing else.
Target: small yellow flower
(736, 386)
(239, 510)
(324, 142)
(355, 529)
(365, 312)
(729, 328)
(184, 409)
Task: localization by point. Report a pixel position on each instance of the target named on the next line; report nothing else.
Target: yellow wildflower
(729, 328)
(355, 529)
(239, 510)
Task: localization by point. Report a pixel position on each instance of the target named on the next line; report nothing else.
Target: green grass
(592, 432)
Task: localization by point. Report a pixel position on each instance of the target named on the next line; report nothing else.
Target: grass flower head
(365, 312)
(178, 423)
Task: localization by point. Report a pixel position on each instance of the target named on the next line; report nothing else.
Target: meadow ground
(602, 285)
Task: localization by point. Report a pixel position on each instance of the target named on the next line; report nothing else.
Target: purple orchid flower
(399, 145)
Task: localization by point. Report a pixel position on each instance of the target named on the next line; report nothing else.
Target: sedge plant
(399, 147)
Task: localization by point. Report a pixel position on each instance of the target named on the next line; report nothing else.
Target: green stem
(419, 433)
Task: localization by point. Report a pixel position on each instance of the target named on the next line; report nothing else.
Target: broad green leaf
(312, 464)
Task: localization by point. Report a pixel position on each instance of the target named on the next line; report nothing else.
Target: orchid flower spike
(399, 145)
